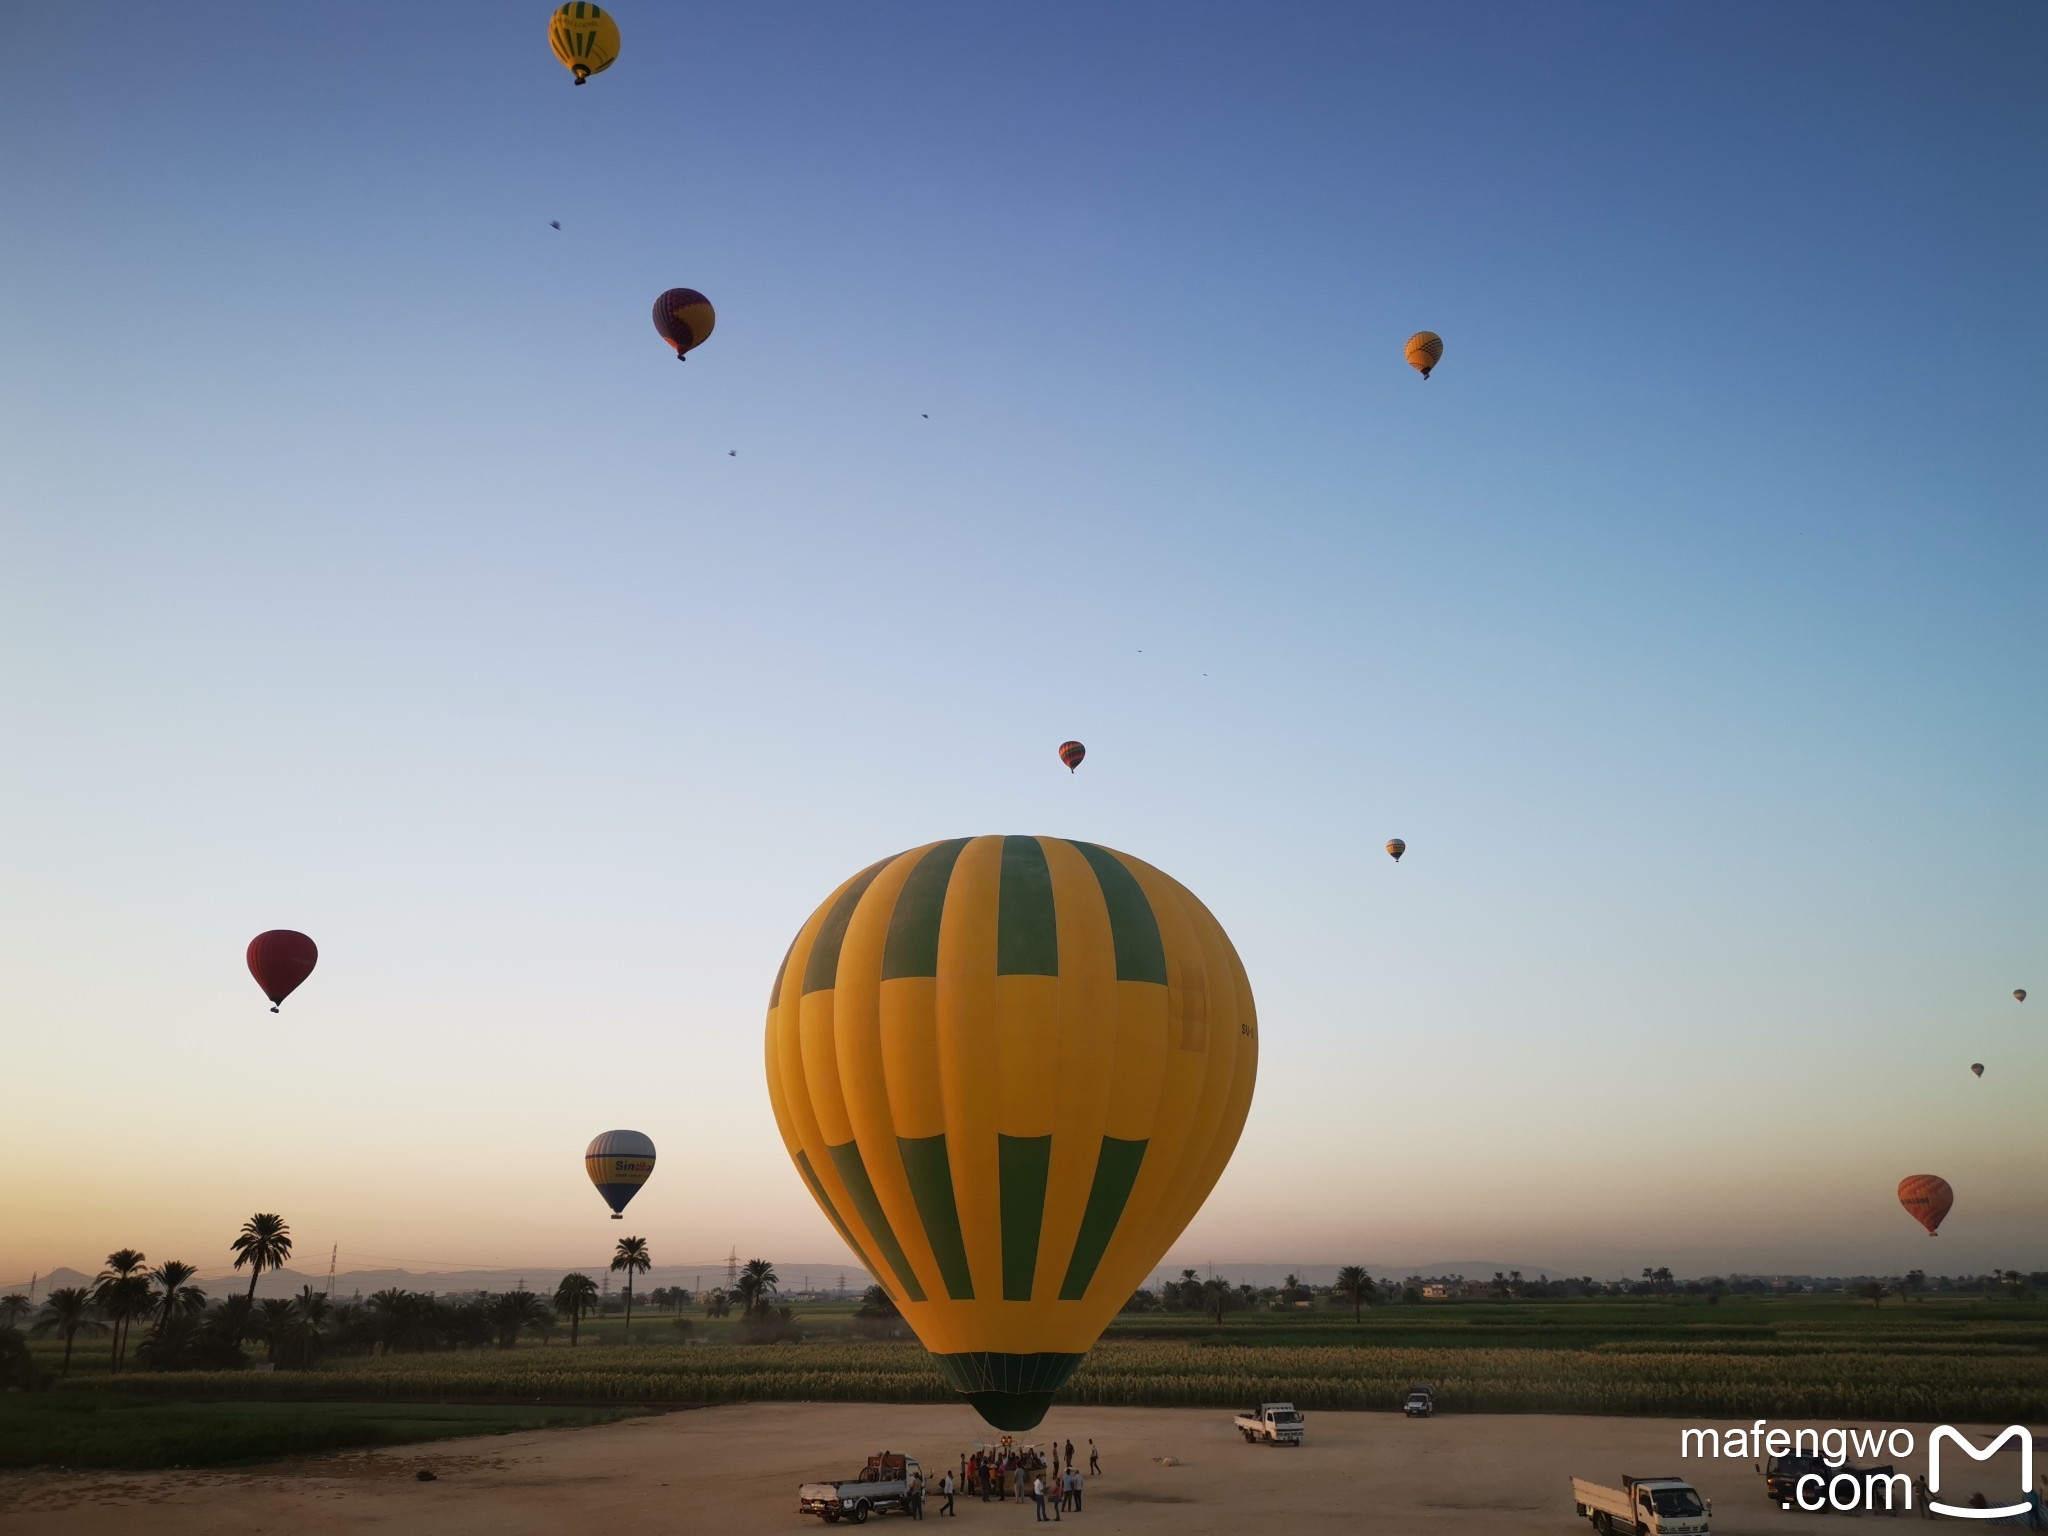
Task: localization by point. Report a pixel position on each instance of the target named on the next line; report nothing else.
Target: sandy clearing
(736, 1470)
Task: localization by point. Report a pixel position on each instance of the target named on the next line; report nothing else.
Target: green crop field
(98, 1430)
(1967, 1359)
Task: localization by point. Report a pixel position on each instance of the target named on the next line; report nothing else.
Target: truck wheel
(1603, 1523)
(860, 1513)
(831, 1517)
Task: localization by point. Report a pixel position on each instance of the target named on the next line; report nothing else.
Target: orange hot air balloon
(1071, 753)
(2019, 994)
(1395, 848)
(1927, 1198)
(1977, 1067)
(1424, 351)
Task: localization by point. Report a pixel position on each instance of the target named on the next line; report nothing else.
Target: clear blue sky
(370, 568)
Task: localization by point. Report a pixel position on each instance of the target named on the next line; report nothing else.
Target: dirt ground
(736, 1470)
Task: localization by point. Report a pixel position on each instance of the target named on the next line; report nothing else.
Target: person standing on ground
(1094, 1466)
(917, 1497)
(1070, 1453)
(946, 1488)
(1073, 1489)
(1037, 1493)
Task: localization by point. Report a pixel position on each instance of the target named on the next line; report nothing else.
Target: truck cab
(1420, 1402)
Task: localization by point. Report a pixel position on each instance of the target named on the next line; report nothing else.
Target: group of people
(1022, 1470)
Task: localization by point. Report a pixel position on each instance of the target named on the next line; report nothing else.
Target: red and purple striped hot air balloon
(683, 318)
(1071, 753)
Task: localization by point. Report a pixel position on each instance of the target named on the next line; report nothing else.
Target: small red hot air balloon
(1071, 753)
(1927, 1198)
(2019, 994)
(280, 960)
(1977, 1067)
(683, 318)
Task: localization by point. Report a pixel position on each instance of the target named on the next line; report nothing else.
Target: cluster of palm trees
(186, 1333)
(164, 1297)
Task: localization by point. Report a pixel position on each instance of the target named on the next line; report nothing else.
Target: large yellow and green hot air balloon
(1011, 1069)
(585, 39)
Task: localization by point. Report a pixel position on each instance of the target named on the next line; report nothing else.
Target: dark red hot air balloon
(1927, 1198)
(280, 960)
(1071, 753)
(683, 318)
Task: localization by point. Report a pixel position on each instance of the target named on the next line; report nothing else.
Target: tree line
(183, 1329)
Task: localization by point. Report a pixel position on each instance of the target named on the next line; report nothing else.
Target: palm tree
(1354, 1284)
(876, 1302)
(576, 1295)
(514, 1312)
(272, 1321)
(632, 1258)
(1220, 1295)
(178, 1293)
(66, 1310)
(264, 1242)
(14, 1308)
(122, 1290)
(756, 1283)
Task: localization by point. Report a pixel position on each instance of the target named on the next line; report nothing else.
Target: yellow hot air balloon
(1395, 848)
(1010, 1069)
(1424, 351)
(585, 39)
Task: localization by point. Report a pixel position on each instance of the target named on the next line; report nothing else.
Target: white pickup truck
(1275, 1422)
(884, 1484)
(1643, 1506)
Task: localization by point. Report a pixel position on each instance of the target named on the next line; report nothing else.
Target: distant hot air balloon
(683, 317)
(585, 39)
(1977, 1067)
(1071, 753)
(1424, 351)
(2019, 994)
(280, 960)
(1010, 1070)
(1927, 1198)
(1396, 847)
(618, 1163)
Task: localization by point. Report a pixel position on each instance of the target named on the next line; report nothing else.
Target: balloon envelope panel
(618, 1163)
(1010, 1069)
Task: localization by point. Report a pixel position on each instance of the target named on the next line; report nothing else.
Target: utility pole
(332, 1255)
(732, 1270)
